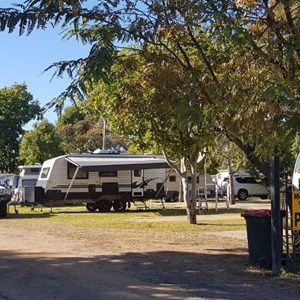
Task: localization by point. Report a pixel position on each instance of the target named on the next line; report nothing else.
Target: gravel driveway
(47, 260)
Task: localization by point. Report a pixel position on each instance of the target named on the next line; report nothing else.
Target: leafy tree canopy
(154, 102)
(40, 143)
(80, 132)
(243, 56)
(17, 109)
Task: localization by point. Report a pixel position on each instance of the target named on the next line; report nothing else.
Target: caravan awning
(113, 163)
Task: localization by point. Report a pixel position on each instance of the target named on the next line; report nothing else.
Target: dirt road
(47, 260)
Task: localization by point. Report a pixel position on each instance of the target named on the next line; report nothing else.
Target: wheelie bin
(258, 224)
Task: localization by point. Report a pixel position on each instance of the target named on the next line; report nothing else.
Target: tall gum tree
(150, 99)
(236, 41)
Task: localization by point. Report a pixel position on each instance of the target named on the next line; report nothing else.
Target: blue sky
(24, 58)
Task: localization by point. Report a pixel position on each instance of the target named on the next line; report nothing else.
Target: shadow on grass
(45, 211)
(29, 215)
(182, 211)
(218, 224)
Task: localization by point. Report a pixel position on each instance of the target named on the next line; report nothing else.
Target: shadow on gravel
(151, 275)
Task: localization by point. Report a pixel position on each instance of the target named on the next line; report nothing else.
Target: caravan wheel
(91, 207)
(104, 205)
(119, 205)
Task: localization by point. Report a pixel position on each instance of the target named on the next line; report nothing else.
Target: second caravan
(27, 177)
(101, 181)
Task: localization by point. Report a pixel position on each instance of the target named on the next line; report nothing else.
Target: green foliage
(153, 101)
(80, 132)
(71, 115)
(17, 109)
(156, 219)
(226, 66)
(40, 143)
(89, 26)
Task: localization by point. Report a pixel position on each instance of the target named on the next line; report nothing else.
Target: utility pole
(104, 133)
(276, 231)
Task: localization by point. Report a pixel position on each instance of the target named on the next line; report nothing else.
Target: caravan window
(34, 171)
(172, 179)
(190, 179)
(29, 182)
(80, 174)
(108, 173)
(45, 172)
(137, 173)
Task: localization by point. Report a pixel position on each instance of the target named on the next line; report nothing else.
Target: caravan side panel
(172, 184)
(124, 180)
(156, 183)
(58, 176)
(46, 175)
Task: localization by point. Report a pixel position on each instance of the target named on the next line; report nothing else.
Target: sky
(24, 58)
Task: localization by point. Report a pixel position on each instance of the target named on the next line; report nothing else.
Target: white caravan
(204, 184)
(100, 181)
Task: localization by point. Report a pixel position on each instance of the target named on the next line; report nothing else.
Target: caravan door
(137, 187)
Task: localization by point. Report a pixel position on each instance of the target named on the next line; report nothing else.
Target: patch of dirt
(46, 260)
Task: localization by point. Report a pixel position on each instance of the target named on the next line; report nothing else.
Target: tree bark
(190, 201)
(231, 187)
(190, 204)
(264, 168)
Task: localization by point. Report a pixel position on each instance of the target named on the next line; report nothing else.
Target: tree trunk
(231, 187)
(180, 193)
(190, 204)
(193, 217)
(248, 150)
(191, 214)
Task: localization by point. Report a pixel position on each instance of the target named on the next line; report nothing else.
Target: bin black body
(259, 240)
(258, 225)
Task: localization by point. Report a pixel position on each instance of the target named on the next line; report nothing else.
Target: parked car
(247, 186)
(222, 179)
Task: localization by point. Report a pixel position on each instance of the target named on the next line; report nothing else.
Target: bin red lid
(257, 213)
